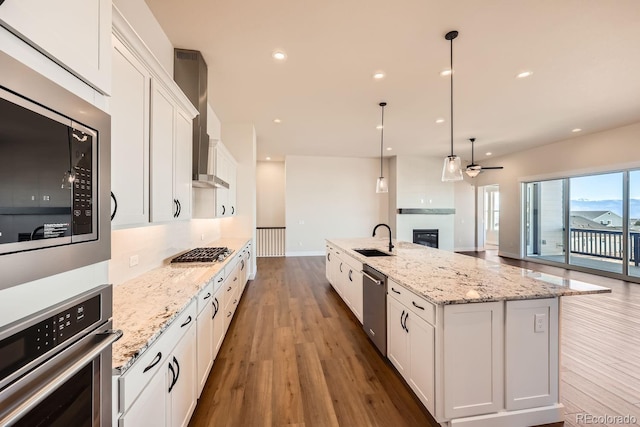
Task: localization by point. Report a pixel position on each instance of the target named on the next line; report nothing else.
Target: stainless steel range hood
(190, 73)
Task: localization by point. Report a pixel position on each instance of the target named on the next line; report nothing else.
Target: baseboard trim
(508, 255)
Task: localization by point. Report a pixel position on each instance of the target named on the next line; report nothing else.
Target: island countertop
(145, 306)
(444, 277)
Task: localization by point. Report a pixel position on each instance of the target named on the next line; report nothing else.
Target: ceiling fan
(473, 170)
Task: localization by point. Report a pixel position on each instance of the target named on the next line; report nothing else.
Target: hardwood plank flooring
(295, 355)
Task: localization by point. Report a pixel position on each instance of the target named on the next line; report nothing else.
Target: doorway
(489, 219)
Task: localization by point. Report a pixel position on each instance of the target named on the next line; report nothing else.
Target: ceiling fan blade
(492, 167)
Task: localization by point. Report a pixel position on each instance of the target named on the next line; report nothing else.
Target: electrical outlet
(133, 260)
(202, 236)
(540, 323)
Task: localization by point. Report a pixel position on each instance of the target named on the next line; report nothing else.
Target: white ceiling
(585, 56)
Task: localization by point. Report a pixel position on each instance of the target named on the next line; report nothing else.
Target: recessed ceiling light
(524, 74)
(268, 158)
(389, 148)
(576, 130)
(379, 127)
(488, 153)
(378, 75)
(445, 73)
(277, 121)
(279, 55)
(439, 121)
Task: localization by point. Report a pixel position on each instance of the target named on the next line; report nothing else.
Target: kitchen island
(478, 342)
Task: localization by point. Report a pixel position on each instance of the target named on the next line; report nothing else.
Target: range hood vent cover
(190, 73)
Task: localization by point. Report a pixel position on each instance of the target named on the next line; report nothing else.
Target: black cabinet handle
(229, 288)
(401, 316)
(173, 377)
(177, 368)
(186, 322)
(406, 316)
(350, 273)
(241, 265)
(223, 210)
(229, 314)
(233, 210)
(1, 1)
(393, 289)
(175, 205)
(207, 296)
(216, 305)
(416, 305)
(329, 256)
(340, 267)
(220, 279)
(115, 201)
(154, 362)
(179, 208)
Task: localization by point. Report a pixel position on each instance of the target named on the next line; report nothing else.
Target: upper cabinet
(76, 34)
(152, 133)
(226, 170)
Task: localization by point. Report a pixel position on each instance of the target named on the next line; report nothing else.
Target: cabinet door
(421, 359)
(163, 205)
(231, 194)
(354, 285)
(328, 267)
(222, 203)
(218, 321)
(397, 336)
(129, 138)
(473, 359)
(182, 396)
(74, 33)
(205, 344)
(149, 409)
(183, 165)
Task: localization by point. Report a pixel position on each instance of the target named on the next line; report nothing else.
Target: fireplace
(426, 237)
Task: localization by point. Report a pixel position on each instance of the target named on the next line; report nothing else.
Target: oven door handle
(108, 338)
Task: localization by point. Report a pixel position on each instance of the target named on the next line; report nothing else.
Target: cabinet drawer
(205, 296)
(137, 376)
(418, 305)
(218, 280)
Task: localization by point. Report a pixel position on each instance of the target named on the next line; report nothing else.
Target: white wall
(330, 197)
(270, 194)
(464, 227)
(597, 152)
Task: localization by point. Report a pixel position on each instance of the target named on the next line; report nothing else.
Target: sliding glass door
(588, 222)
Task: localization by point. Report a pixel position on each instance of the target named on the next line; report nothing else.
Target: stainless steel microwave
(54, 177)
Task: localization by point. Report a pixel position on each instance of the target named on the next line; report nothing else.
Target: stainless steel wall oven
(54, 177)
(55, 366)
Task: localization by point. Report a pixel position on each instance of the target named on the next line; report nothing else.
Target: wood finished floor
(294, 355)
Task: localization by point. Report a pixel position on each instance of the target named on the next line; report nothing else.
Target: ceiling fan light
(382, 186)
(473, 171)
(451, 170)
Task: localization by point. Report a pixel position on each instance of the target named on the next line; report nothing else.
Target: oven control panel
(29, 344)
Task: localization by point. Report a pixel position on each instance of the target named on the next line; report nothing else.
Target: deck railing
(270, 241)
(604, 244)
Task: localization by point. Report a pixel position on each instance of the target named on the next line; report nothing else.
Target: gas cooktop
(204, 255)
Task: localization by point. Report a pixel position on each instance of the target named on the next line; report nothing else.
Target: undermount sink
(371, 252)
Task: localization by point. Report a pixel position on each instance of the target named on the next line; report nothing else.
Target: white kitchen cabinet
(218, 320)
(421, 345)
(345, 275)
(204, 325)
(150, 407)
(76, 34)
(129, 138)
(170, 158)
(163, 379)
(397, 336)
(181, 393)
(225, 169)
(473, 359)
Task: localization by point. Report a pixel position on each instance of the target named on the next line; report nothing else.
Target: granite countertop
(145, 306)
(444, 277)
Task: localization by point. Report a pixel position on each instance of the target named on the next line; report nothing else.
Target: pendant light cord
(451, 94)
(381, 138)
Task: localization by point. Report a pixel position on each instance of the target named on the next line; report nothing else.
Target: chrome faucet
(388, 228)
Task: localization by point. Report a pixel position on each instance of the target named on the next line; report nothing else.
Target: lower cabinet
(345, 275)
(160, 389)
(218, 320)
(204, 326)
(411, 343)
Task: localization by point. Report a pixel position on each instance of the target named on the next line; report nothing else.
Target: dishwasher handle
(373, 279)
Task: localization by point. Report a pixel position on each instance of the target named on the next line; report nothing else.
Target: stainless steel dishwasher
(374, 289)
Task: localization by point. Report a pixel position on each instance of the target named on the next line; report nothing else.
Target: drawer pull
(401, 316)
(216, 306)
(394, 290)
(220, 279)
(154, 362)
(340, 267)
(229, 288)
(186, 322)
(350, 273)
(416, 305)
(207, 296)
(229, 314)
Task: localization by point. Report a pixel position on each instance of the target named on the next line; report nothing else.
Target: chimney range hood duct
(190, 73)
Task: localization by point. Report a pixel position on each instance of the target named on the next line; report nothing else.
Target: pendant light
(451, 171)
(382, 186)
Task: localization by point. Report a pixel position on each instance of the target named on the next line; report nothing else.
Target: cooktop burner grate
(203, 255)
